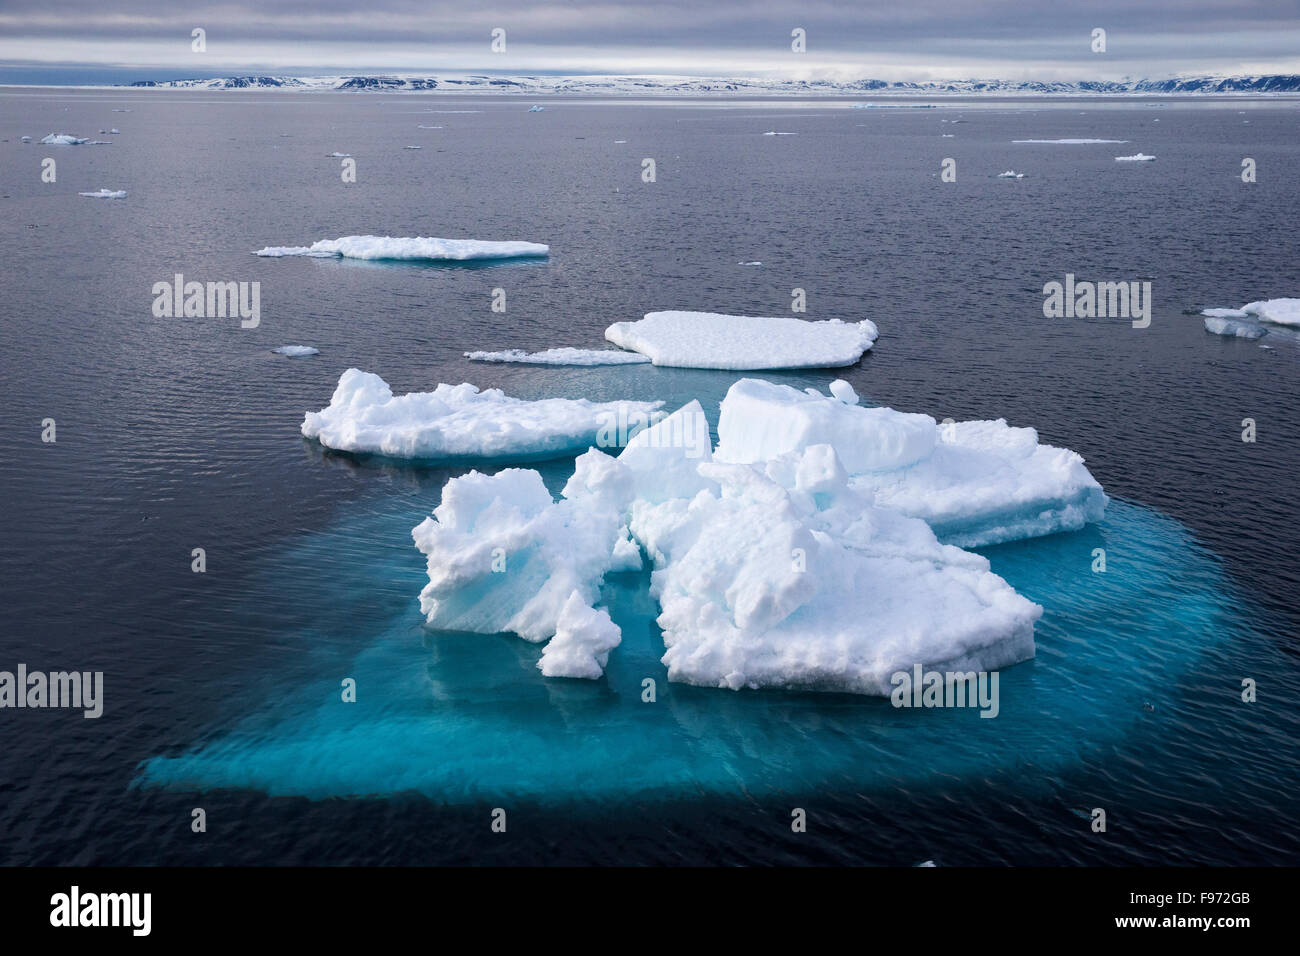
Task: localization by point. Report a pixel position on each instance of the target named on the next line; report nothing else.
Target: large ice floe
(461, 422)
(402, 248)
(788, 559)
(1276, 311)
(739, 342)
(106, 194)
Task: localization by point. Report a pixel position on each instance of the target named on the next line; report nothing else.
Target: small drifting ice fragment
(775, 133)
(1276, 311)
(754, 263)
(106, 194)
(296, 351)
(1135, 158)
(338, 155)
(27, 139)
(844, 392)
(561, 356)
(1011, 174)
(64, 139)
(405, 248)
(537, 109)
(1068, 142)
(711, 340)
(412, 147)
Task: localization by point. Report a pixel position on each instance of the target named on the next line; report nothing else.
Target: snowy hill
(683, 85)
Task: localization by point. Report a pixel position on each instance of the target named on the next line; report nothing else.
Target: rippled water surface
(222, 688)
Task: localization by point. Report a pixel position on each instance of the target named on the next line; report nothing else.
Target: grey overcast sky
(60, 40)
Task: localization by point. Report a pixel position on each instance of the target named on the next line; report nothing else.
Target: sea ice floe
(777, 133)
(737, 342)
(1068, 142)
(338, 155)
(974, 483)
(403, 248)
(296, 351)
(773, 573)
(537, 109)
(64, 139)
(26, 139)
(1276, 311)
(1234, 327)
(561, 356)
(1135, 158)
(460, 422)
(1011, 174)
(106, 194)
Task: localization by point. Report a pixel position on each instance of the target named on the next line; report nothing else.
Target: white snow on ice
(401, 248)
(710, 340)
(461, 422)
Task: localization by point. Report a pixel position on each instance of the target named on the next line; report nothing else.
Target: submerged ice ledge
(461, 422)
(561, 356)
(788, 560)
(407, 249)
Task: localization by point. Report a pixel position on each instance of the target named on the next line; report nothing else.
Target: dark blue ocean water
(222, 688)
